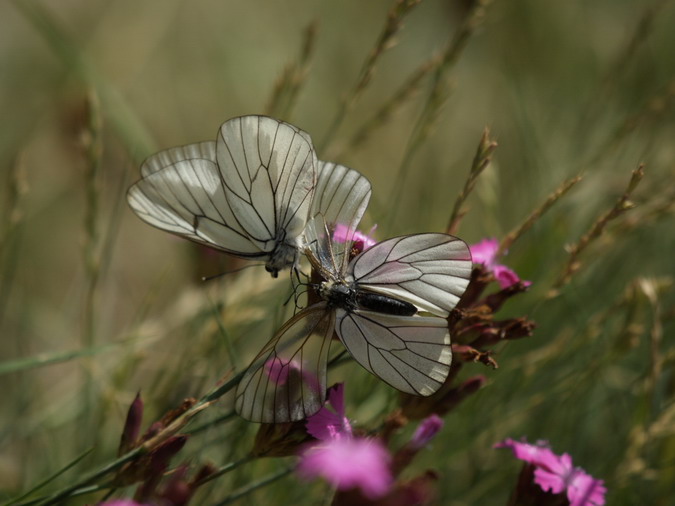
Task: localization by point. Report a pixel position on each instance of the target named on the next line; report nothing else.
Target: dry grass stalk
(481, 160)
(641, 32)
(440, 91)
(93, 149)
(385, 41)
(639, 439)
(405, 92)
(654, 108)
(292, 79)
(452, 52)
(17, 187)
(557, 194)
(660, 205)
(622, 205)
(649, 287)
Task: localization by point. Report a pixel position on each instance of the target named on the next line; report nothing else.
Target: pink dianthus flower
(485, 252)
(556, 473)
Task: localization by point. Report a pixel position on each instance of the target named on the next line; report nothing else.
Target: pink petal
(557, 474)
(548, 481)
(121, 502)
(484, 252)
(539, 454)
(343, 233)
(584, 490)
(336, 398)
(426, 431)
(327, 424)
(349, 463)
(506, 277)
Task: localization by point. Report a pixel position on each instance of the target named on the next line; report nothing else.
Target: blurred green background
(95, 305)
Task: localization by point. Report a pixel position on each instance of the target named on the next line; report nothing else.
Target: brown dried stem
(405, 92)
(622, 205)
(481, 160)
(655, 107)
(384, 42)
(557, 194)
(290, 82)
(620, 64)
(9, 230)
(643, 28)
(93, 148)
(440, 91)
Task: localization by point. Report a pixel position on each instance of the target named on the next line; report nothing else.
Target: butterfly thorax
(281, 257)
(350, 297)
(338, 294)
(285, 252)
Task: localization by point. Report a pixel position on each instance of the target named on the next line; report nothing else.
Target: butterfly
(373, 303)
(249, 193)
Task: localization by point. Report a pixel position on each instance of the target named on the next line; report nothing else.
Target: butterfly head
(283, 256)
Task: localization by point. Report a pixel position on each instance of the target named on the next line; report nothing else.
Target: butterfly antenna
(220, 274)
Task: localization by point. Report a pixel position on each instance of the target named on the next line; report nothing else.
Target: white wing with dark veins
(187, 199)
(201, 150)
(248, 193)
(410, 353)
(268, 168)
(340, 200)
(429, 270)
(286, 382)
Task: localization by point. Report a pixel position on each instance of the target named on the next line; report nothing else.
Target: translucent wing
(410, 353)
(340, 199)
(202, 150)
(268, 168)
(430, 271)
(287, 380)
(188, 199)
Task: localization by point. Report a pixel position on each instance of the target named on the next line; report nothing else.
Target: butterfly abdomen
(384, 304)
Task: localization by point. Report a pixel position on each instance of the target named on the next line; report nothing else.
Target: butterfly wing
(410, 353)
(340, 199)
(429, 270)
(287, 380)
(268, 169)
(188, 199)
(202, 150)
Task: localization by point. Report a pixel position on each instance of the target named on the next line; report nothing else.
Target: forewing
(430, 270)
(410, 353)
(201, 150)
(187, 198)
(268, 168)
(287, 380)
(340, 199)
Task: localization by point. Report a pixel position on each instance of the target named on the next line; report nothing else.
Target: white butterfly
(249, 193)
(372, 303)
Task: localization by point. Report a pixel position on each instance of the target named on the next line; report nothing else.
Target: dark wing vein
(410, 353)
(430, 270)
(287, 380)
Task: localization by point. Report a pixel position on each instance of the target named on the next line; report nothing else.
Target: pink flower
(329, 424)
(485, 252)
(343, 460)
(343, 233)
(121, 502)
(556, 474)
(426, 431)
(348, 463)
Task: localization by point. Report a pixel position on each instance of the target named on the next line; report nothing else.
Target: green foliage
(96, 306)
